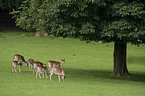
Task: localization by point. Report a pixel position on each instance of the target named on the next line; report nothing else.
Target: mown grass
(88, 67)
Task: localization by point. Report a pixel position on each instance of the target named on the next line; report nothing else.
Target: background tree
(6, 6)
(9, 4)
(28, 15)
(118, 21)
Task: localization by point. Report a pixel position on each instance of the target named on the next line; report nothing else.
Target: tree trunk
(120, 66)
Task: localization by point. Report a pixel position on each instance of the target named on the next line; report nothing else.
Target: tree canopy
(106, 20)
(125, 20)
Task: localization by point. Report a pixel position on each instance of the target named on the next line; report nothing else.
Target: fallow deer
(55, 63)
(16, 63)
(31, 63)
(58, 71)
(41, 69)
(18, 57)
(36, 64)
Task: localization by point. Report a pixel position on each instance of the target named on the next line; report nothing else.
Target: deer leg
(12, 69)
(39, 74)
(46, 74)
(15, 68)
(36, 74)
(43, 74)
(19, 68)
(62, 78)
(51, 75)
(33, 71)
(31, 67)
(59, 77)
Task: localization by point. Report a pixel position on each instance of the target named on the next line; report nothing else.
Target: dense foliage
(9, 4)
(27, 15)
(125, 21)
(106, 20)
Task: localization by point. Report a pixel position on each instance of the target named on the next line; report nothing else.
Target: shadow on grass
(86, 75)
(95, 74)
(138, 60)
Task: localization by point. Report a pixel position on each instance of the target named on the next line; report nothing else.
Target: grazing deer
(58, 71)
(40, 69)
(55, 63)
(31, 63)
(36, 64)
(16, 63)
(18, 57)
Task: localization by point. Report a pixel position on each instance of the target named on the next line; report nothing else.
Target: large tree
(118, 21)
(124, 22)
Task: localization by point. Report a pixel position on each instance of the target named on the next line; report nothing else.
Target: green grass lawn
(88, 67)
